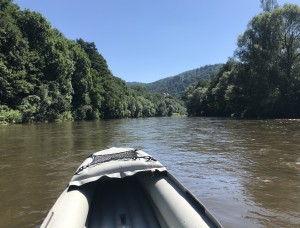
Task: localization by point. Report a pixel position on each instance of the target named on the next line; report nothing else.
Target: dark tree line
(46, 77)
(263, 77)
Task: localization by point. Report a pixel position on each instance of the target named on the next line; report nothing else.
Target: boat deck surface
(121, 203)
(124, 187)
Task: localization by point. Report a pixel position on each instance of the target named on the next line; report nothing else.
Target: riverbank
(4, 123)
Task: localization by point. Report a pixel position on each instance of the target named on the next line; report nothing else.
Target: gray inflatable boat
(124, 187)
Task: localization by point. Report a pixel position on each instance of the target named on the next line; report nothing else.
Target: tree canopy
(46, 77)
(268, 5)
(263, 77)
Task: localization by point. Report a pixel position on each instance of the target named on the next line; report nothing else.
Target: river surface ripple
(246, 172)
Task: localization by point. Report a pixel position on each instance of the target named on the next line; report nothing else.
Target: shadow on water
(245, 171)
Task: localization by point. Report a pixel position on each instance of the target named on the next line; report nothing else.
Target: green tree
(263, 80)
(46, 77)
(268, 5)
(269, 51)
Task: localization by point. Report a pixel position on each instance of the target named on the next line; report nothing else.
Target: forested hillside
(263, 77)
(46, 77)
(176, 85)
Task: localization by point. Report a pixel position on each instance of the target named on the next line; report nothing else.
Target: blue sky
(147, 40)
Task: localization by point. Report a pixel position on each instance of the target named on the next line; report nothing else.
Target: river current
(246, 172)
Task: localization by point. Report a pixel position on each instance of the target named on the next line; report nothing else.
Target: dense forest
(47, 77)
(176, 85)
(262, 79)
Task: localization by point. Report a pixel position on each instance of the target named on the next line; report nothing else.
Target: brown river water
(246, 172)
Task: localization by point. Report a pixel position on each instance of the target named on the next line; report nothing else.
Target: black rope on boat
(147, 158)
(126, 155)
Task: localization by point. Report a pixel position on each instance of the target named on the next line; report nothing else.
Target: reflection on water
(247, 172)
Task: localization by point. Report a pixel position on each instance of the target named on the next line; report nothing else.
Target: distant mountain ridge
(176, 85)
